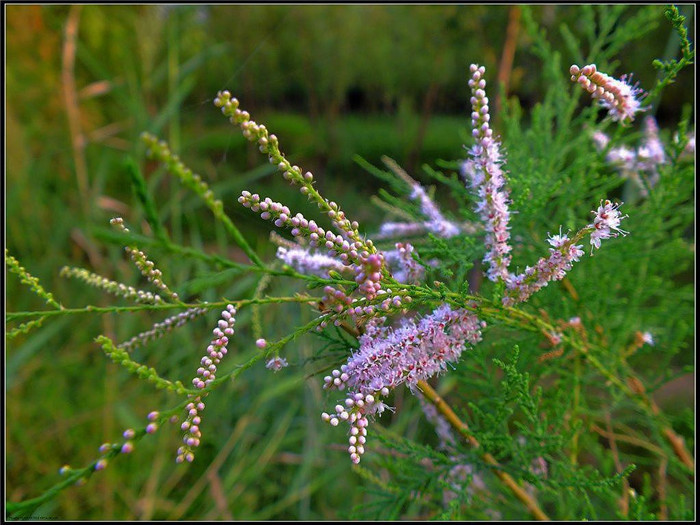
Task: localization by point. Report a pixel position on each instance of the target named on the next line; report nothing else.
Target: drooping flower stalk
(485, 175)
(619, 97)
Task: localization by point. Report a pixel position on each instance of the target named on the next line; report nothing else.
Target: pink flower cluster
(485, 175)
(562, 255)
(606, 223)
(621, 99)
(206, 373)
(388, 358)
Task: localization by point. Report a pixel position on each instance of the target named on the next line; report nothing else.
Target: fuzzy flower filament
(484, 173)
(388, 358)
(620, 98)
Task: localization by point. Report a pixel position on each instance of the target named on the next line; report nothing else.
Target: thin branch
(461, 427)
(625, 498)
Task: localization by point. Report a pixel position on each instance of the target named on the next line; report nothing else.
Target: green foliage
(561, 406)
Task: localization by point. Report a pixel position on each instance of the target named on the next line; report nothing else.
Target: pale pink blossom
(606, 223)
(276, 364)
(206, 374)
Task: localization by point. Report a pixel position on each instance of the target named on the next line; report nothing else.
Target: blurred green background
(82, 82)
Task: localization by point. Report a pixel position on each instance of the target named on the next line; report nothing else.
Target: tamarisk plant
(405, 310)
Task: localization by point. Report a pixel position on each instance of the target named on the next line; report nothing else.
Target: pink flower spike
(553, 268)
(484, 173)
(619, 97)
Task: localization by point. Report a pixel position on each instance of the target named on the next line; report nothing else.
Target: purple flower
(390, 230)
(436, 223)
(388, 358)
(633, 164)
